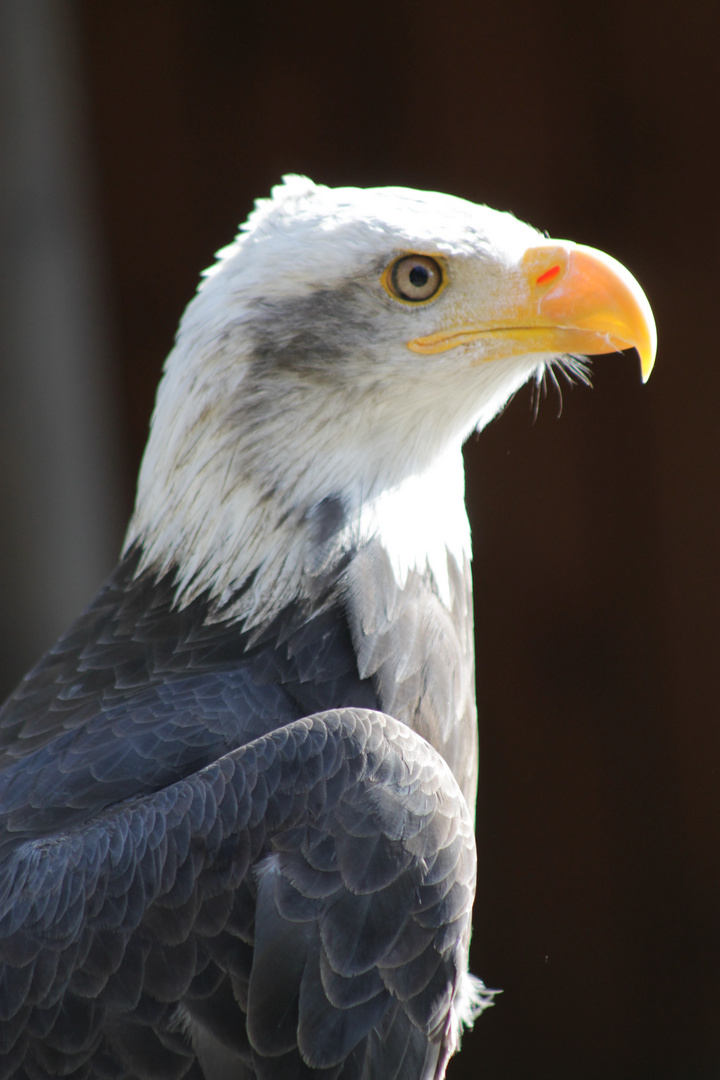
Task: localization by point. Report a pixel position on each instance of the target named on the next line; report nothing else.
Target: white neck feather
(222, 541)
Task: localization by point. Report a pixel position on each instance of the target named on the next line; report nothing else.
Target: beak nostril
(548, 275)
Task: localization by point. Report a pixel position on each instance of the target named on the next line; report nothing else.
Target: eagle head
(329, 368)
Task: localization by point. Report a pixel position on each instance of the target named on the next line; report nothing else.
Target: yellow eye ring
(413, 279)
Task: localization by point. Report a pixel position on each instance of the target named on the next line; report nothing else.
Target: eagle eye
(413, 278)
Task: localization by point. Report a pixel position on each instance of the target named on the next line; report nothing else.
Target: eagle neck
(252, 554)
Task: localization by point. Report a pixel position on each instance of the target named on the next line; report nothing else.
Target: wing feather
(146, 922)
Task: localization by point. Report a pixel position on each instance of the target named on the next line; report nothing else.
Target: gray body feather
(201, 871)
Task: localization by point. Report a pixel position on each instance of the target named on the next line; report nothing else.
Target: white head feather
(291, 383)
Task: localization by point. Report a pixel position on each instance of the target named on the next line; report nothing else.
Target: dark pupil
(419, 276)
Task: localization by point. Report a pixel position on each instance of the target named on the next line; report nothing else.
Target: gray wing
(299, 908)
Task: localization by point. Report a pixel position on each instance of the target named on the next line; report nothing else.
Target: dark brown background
(595, 533)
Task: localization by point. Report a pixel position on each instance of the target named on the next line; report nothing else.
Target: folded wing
(299, 907)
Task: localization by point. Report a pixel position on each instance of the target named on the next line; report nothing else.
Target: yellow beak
(563, 298)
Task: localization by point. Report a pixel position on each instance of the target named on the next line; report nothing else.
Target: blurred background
(133, 140)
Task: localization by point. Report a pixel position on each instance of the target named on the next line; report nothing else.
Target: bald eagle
(237, 796)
